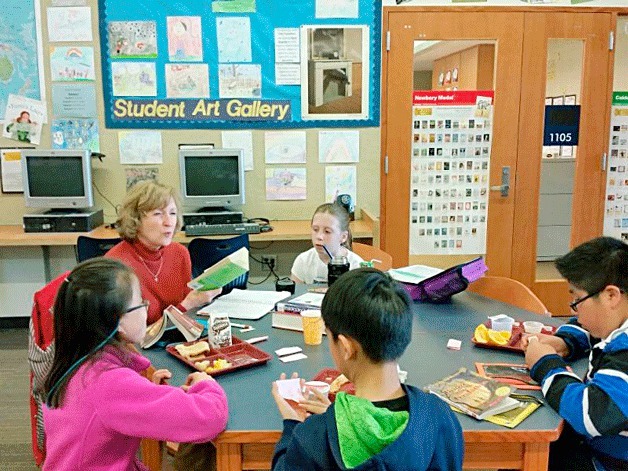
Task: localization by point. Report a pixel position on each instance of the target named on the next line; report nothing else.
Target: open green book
(223, 272)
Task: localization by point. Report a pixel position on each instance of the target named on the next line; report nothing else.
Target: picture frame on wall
(548, 100)
(335, 66)
(11, 169)
(558, 100)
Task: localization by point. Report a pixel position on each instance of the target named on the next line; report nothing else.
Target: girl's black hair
(86, 313)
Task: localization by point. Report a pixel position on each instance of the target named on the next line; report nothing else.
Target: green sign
(620, 98)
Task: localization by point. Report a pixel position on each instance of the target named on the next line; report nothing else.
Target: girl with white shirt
(330, 236)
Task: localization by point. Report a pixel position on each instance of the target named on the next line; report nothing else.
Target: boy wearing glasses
(596, 407)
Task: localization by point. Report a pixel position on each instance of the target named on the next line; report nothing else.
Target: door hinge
(386, 165)
(388, 40)
(604, 161)
(611, 40)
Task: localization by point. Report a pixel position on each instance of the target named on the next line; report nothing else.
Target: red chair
(40, 356)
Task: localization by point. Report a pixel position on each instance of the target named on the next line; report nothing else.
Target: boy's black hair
(596, 264)
(370, 307)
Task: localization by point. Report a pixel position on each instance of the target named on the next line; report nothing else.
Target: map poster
(21, 57)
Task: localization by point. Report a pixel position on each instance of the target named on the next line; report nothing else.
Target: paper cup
(502, 322)
(312, 326)
(532, 327)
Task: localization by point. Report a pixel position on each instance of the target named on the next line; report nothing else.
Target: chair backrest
(368, 252)
(90, 247)
(206, 252)
(40, 356)
(509, 291)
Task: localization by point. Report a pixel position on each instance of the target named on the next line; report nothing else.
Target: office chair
(509, 291)
(368, 252)
(90, 247)
(205, 252)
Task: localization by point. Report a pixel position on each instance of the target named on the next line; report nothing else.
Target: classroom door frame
(403, 26)
(521, 35)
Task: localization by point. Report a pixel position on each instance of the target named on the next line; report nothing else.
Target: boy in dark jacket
(386, 425)
(596, 407)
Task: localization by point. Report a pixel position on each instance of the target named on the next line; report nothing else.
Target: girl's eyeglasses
(145, 303)
(574, 305)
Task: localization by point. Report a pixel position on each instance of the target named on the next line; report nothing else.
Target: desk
(14, 236)
(255, 424)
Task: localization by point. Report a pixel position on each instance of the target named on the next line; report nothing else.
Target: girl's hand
(197, 298)
(161, 376)
(285, 409)
(194, 378)
(315, 401)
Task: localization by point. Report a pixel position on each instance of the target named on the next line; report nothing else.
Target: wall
(109, 176)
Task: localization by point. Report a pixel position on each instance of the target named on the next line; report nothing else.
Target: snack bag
(219, 330)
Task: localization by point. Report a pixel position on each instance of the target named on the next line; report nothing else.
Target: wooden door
(404, 26)
(593, 30)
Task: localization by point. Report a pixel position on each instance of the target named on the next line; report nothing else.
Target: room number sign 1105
(560, 137)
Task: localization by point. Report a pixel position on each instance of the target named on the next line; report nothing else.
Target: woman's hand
(161, 376)
(315, 402)
(285, 409)
(197, 298)
(194, 378)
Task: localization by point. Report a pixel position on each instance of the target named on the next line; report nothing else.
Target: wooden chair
(151, 450)
(509, 291)
(368, 252)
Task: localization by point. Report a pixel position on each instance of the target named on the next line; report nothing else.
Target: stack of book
(287, 313)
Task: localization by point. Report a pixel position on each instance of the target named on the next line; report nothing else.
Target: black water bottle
(336, 267)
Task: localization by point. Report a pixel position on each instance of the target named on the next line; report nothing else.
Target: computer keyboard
(222, 229)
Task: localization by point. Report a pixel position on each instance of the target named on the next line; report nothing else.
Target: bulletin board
(225, 64)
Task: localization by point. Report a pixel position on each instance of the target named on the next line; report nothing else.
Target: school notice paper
(245, 304)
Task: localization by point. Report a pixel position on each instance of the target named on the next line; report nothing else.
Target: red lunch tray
(240, 354)
(514, 344)
(328, 375)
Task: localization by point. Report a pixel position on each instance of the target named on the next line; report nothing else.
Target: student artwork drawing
(285, 147)
(337, 8)
(234, 39)
(286, 184)
(240, 80)
(132, 39)
(75, 134)
(338, 146)
(339, 180)
(187, 81)
(72, 64)
(69, 24)
(134, 78)
(140, 147)
(135, 175)
(185, 38)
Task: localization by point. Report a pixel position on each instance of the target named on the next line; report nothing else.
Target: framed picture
(548, 100)
(558, 100)
(570, 100)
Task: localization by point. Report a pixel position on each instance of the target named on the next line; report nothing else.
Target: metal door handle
(505, 186)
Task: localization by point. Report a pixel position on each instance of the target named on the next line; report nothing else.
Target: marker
(257, 339)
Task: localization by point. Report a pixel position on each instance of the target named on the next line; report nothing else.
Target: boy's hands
(161, 376)
(315, 402)
(285, 409)
(536, 349)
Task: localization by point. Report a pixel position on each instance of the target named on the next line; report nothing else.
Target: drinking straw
(327, 251)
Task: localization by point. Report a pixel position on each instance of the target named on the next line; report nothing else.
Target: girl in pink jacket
(98, 406)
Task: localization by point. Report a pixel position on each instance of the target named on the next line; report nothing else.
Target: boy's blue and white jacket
(596, 406)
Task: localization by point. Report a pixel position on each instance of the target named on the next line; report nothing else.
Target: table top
(13, 235)
(251, 406)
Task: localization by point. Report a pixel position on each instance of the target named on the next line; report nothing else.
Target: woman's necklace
(161, 264)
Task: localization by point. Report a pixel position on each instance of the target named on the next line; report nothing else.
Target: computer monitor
(212, 178)
(58, 179)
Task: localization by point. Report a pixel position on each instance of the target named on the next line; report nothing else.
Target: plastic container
(502, 323)
(532, 327)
